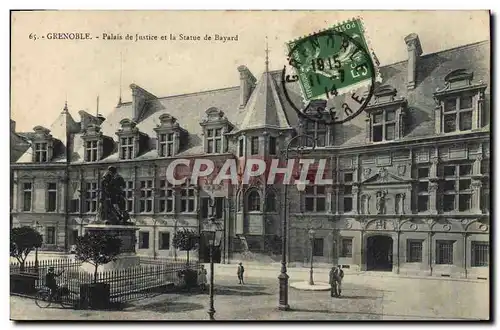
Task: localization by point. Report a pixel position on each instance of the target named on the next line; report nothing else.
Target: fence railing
(125, 284)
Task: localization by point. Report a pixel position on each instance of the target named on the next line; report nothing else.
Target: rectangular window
(129, 196)
(315, 198)
(348, 178)
(457, 114)
(480, 254)
(444, 252)
(91, 151)
(164, 241)
(74, 205)
(219, 204)
(346, 248)
(214, 140)
(456, 187)
(254, 145)
(73, 237)
(146, 199)
(41, 152)
(166, 197)
(187, 199)
(384, 126)
(143, 240)
(272, 145)
(205, 201)
(318, 131)
(51, 197)
(318, 247)
(423, 189)
(127, 148)
(166, 144)
(240, 148)
(90, 197)
(27, 192)
(51, 235)
(414, 251)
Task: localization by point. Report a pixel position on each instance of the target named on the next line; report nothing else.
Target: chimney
(414, 51)
(12, 126)
(247, 84)
(140, 99)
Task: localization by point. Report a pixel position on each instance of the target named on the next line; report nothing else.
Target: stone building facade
(410, 190)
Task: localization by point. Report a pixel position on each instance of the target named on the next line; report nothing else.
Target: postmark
(335, 71)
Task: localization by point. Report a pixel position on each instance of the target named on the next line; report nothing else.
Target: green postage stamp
(333, 61)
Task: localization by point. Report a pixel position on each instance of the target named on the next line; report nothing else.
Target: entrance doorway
(379, 253)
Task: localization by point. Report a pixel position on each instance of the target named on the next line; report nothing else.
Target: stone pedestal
(127, 257)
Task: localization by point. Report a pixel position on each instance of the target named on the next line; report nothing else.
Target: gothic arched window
(254, 201)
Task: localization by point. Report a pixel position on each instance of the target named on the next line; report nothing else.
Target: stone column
(476, 196)
(433, 195)
(355, 198)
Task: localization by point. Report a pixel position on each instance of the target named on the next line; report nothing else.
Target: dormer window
(130, 139)
(166, 144)
(215, 126)
(93, 143)
(91, 151)
(170, 136)
(457, 114)
(41, 152)
(384, 126)
(214, 140)
(318, 131)
(42, 145)
(385, 116)
(127, 148)
(459, 105)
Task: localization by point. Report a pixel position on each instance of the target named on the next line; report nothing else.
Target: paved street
(365, 298)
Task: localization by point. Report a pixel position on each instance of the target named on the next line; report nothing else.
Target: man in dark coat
(240, 272)
(50, 281)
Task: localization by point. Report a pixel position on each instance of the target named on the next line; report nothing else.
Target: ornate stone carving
(366, 172)
(433, 186)
(381, 201)
(383, 174)
(380, 224)
(401, 170)
(413, 226)
(447, 227)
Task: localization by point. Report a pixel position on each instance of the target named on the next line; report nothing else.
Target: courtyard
(369, 296)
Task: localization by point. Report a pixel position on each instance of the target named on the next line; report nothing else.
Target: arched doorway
(379, 253)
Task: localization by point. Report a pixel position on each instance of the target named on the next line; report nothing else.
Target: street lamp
(312, 232)
(213, 236)
(283, 277)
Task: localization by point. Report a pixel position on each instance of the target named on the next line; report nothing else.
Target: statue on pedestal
(112, 198)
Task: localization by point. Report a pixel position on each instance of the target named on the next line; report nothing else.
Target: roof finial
(267, 56)
(65, 109)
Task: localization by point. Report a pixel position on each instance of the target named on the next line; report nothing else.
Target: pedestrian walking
(338, 275)
(241, 271)
(202, 278)
(331, 281)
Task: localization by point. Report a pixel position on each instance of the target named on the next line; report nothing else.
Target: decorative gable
(215, 125)
(42, 145)
(385, 115)
(460, 104)
(170, 136)
(384, 177)
(131, 140)
(96, 145)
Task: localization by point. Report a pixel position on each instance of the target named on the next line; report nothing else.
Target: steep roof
(268, 108)
(264, 108)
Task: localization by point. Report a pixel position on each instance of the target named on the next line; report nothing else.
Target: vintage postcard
(250, 165)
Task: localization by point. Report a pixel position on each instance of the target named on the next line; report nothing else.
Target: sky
(45, 73)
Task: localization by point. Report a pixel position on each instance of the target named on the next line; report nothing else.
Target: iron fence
(151, 276)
